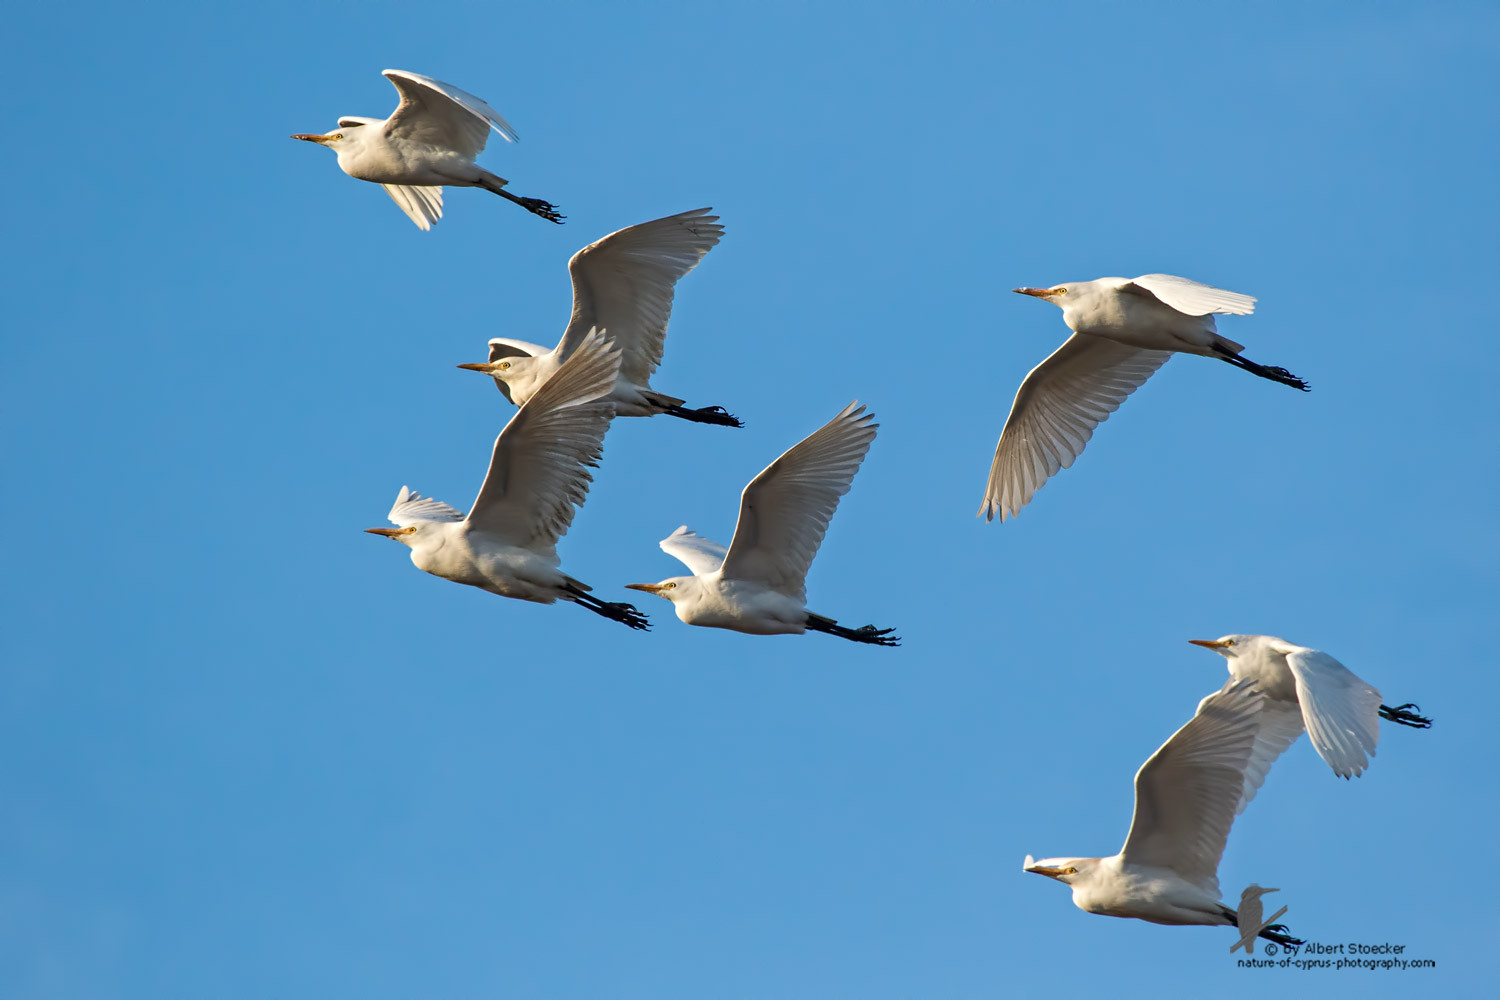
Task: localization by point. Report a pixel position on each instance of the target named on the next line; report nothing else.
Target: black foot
(866, 633)
(545, 209)
(1400, 715)
(1278, 933)
(706, 415)
(1265, 371)
(615, 611)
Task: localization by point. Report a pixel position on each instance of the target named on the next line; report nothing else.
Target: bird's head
(1058, 295)
(504, 369)
(349, 134)
(1230, 646)
(1065, 870)
(406, 536)
(673, 588)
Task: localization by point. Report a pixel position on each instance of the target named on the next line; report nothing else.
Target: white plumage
(1124, 329)
(537, 479)
(1186, 798)
(430, 141)
(625, 283)
(1307, 687)
(758, 584)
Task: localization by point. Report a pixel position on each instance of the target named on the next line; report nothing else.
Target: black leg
(1278, 933)
(535, 206)
(1264, 371)
(1400, 715)
(865, 633)
(625, 614)
(706, 415)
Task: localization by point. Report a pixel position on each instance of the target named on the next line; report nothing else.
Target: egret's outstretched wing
(1055, 412)
(1280, 725)
(699, 554)
(508, 347)
(1187, 793)
(439, 114)
(1192, 298)
(1341, 712)
(505, 347)
(785, 510)
(412, 506)
(539, 470)
(423, 205)
(625, 283)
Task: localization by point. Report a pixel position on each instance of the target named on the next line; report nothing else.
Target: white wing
(784, 512)
(1192, 298)
(507, 347)
(1342, 712)
(411, 507)
(699, 554)
(423, 205)
(1187, 793)
(438, 114)
(625, 283)
(539, 470)
(1055, 412)
(1280, 725)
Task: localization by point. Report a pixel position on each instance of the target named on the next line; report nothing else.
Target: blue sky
(254, 752)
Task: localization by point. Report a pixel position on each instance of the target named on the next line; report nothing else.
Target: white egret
(625, 283)
(538, 477)
(1308, 687)
(429, 142)
(758, 584)
(1186, 797)
(1124, 329)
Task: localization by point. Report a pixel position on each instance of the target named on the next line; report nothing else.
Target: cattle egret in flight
(1124, 329)
(757, 585)
(1186, 798)
(623, 283)
(1308, 687)
(429, 142)
(538, 477)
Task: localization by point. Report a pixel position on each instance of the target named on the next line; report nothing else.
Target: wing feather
(626, 282)
(1191, 297)
(438, 114)
(1055, 412)
(1342, 712)
(1187, 793)
(423, 205)
(538, 473)
(784, 512)
(700, 555)
(411, 507)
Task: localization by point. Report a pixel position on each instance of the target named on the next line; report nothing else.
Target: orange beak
(387, 532)
(487, 368)
(1040, 293)
(1209, 643)
(309, 137)
(649, 588)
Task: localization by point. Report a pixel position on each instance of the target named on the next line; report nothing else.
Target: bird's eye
(336, 138)
(669, 586)
(1229, 642)
(504, 365)
(1070, 871)
(1059, 291)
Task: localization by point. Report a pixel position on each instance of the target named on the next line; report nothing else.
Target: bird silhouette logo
(1248, 919)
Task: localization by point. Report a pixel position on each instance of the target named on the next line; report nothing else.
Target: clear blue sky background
(251, 752)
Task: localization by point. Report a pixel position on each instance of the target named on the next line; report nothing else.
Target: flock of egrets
(1187, 794)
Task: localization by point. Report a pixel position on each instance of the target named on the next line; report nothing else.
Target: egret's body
(428, 143)
(1186, 797)
(538, 477)
(624, 283)
(758, 584)
(1307, 687)
(1124, 329)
